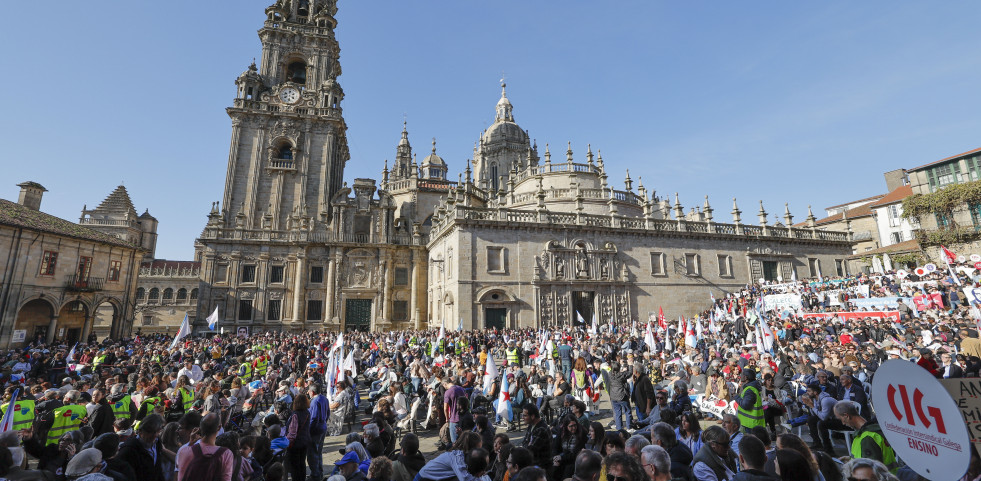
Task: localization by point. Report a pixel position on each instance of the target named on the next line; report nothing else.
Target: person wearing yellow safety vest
(185, 390)
(66, 418)
(513, 357)
(100, 359)
(261, 365)
(868, 440)
(123, 406)
(245, 369)
(24, 410)
(749, 401)
(152, 403)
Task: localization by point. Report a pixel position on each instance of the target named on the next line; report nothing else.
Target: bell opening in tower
(296, 72)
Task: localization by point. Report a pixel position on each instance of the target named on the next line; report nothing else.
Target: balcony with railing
(77, 283)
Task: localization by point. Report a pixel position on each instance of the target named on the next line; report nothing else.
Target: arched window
(181, 295)
(154, 295)
(168, 294)
(285, 152)
(140, 293)
(296, 72)
(493, 172)
(194, 294)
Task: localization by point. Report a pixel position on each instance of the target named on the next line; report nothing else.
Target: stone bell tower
(289, 144)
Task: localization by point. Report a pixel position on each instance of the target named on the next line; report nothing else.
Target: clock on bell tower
(289, 144)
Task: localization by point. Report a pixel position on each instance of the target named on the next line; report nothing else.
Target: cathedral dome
(505, 132)
(434, 160)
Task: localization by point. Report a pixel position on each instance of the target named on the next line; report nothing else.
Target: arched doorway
(33, 321)
(105, 322)
(71, 322)
(496, 308)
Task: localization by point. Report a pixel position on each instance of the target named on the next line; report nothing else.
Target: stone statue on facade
(582, 263)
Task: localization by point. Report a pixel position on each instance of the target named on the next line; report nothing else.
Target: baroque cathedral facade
(518, 239)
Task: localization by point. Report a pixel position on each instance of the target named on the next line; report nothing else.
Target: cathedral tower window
(194, 294)
(181, 295)
(168, 295)
(296, 72)
(140, 294)
(154, 296)
(285, 152)
(493, 179)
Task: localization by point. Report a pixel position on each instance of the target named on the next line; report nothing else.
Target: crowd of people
(730, 393)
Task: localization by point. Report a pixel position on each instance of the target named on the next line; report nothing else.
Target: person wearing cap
(87, 461)
(820, 407)
(348, 467)
(749, 401)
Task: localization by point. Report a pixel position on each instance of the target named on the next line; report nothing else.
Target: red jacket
(930, 365)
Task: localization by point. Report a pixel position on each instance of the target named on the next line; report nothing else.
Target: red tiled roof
(863, 210)
(969, 152)
(905, 246)
(874, 197)
(897, 195)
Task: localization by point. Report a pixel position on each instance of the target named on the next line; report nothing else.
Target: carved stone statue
(604, 269)
(559, 267)
(582, 263)
(546, 309)
(563, 309)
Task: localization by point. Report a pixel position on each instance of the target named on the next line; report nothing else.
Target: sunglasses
(621, 478)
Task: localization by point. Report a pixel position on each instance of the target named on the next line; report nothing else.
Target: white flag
(767, 335)
(649, 339)
(349, 364)
(490, 373)
(184, 331)
(213, 319)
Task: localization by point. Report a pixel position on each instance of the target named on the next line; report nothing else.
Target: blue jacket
(319, 413)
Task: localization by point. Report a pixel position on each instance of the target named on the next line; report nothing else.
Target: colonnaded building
(520, 238)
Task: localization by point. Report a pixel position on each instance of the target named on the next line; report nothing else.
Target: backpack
(203, 467)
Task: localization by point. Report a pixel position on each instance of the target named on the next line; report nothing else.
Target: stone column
(330, 293)
(387, 297)
(298, 287)
(87, 327)
(414, 297)
(51, 330)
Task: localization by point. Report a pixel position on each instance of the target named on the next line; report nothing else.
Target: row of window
(274, 309)
(276, 275)
(950, 173)
(49, 264)
(153, 295)
(690, 265)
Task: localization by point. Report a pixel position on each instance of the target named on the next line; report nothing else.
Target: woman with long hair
(690, 432)
(595, 436)
(791, 465)
(571, 441)
(581, 380)
(298, 434)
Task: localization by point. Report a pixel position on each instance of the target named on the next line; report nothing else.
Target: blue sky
(799, 102)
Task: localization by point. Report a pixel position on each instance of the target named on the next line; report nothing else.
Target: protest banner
(780, 302)
(869, 303)
(966, 393)
(933, 442)
(973, 295)
(892, 315)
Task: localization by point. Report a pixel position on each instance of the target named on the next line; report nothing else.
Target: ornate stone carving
(246, 295)
(361, 269)
(562, 308)
(582, 263)
(623, 307)
(604, 268)
(559, 268)
(546, 309)
(606, 309)
(275, 295)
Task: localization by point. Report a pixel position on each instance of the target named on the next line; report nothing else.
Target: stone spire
(707, 209)
(568, 154)
(589, 156)
(628, 183)
(679, 211)
(385, 175)
(504, 107)
(811, 220)
(468, 172)
(787, 218)
(548, 155)
(602, 169)
(762, 214)
(735, 212)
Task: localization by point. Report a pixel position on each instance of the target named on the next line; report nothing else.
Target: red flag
(660, 318)
(951, 257)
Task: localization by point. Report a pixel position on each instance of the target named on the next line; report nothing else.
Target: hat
(351, 457)
(83, 462)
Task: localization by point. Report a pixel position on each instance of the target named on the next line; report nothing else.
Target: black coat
(136, 455)
(102, 419)
(643, 392)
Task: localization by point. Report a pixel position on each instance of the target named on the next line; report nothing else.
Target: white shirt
(195, 374)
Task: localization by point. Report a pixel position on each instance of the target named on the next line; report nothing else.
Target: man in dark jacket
(643, 395)
(752, 457)
(144, 452)
(102, 418)
(538, 438)
(616, 383)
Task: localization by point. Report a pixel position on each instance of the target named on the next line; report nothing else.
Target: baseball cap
(350, 457)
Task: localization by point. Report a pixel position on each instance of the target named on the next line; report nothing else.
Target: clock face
(289, 95)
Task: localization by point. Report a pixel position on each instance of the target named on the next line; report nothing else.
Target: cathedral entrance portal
(495, 317)
(582, 302)
(357, 314)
